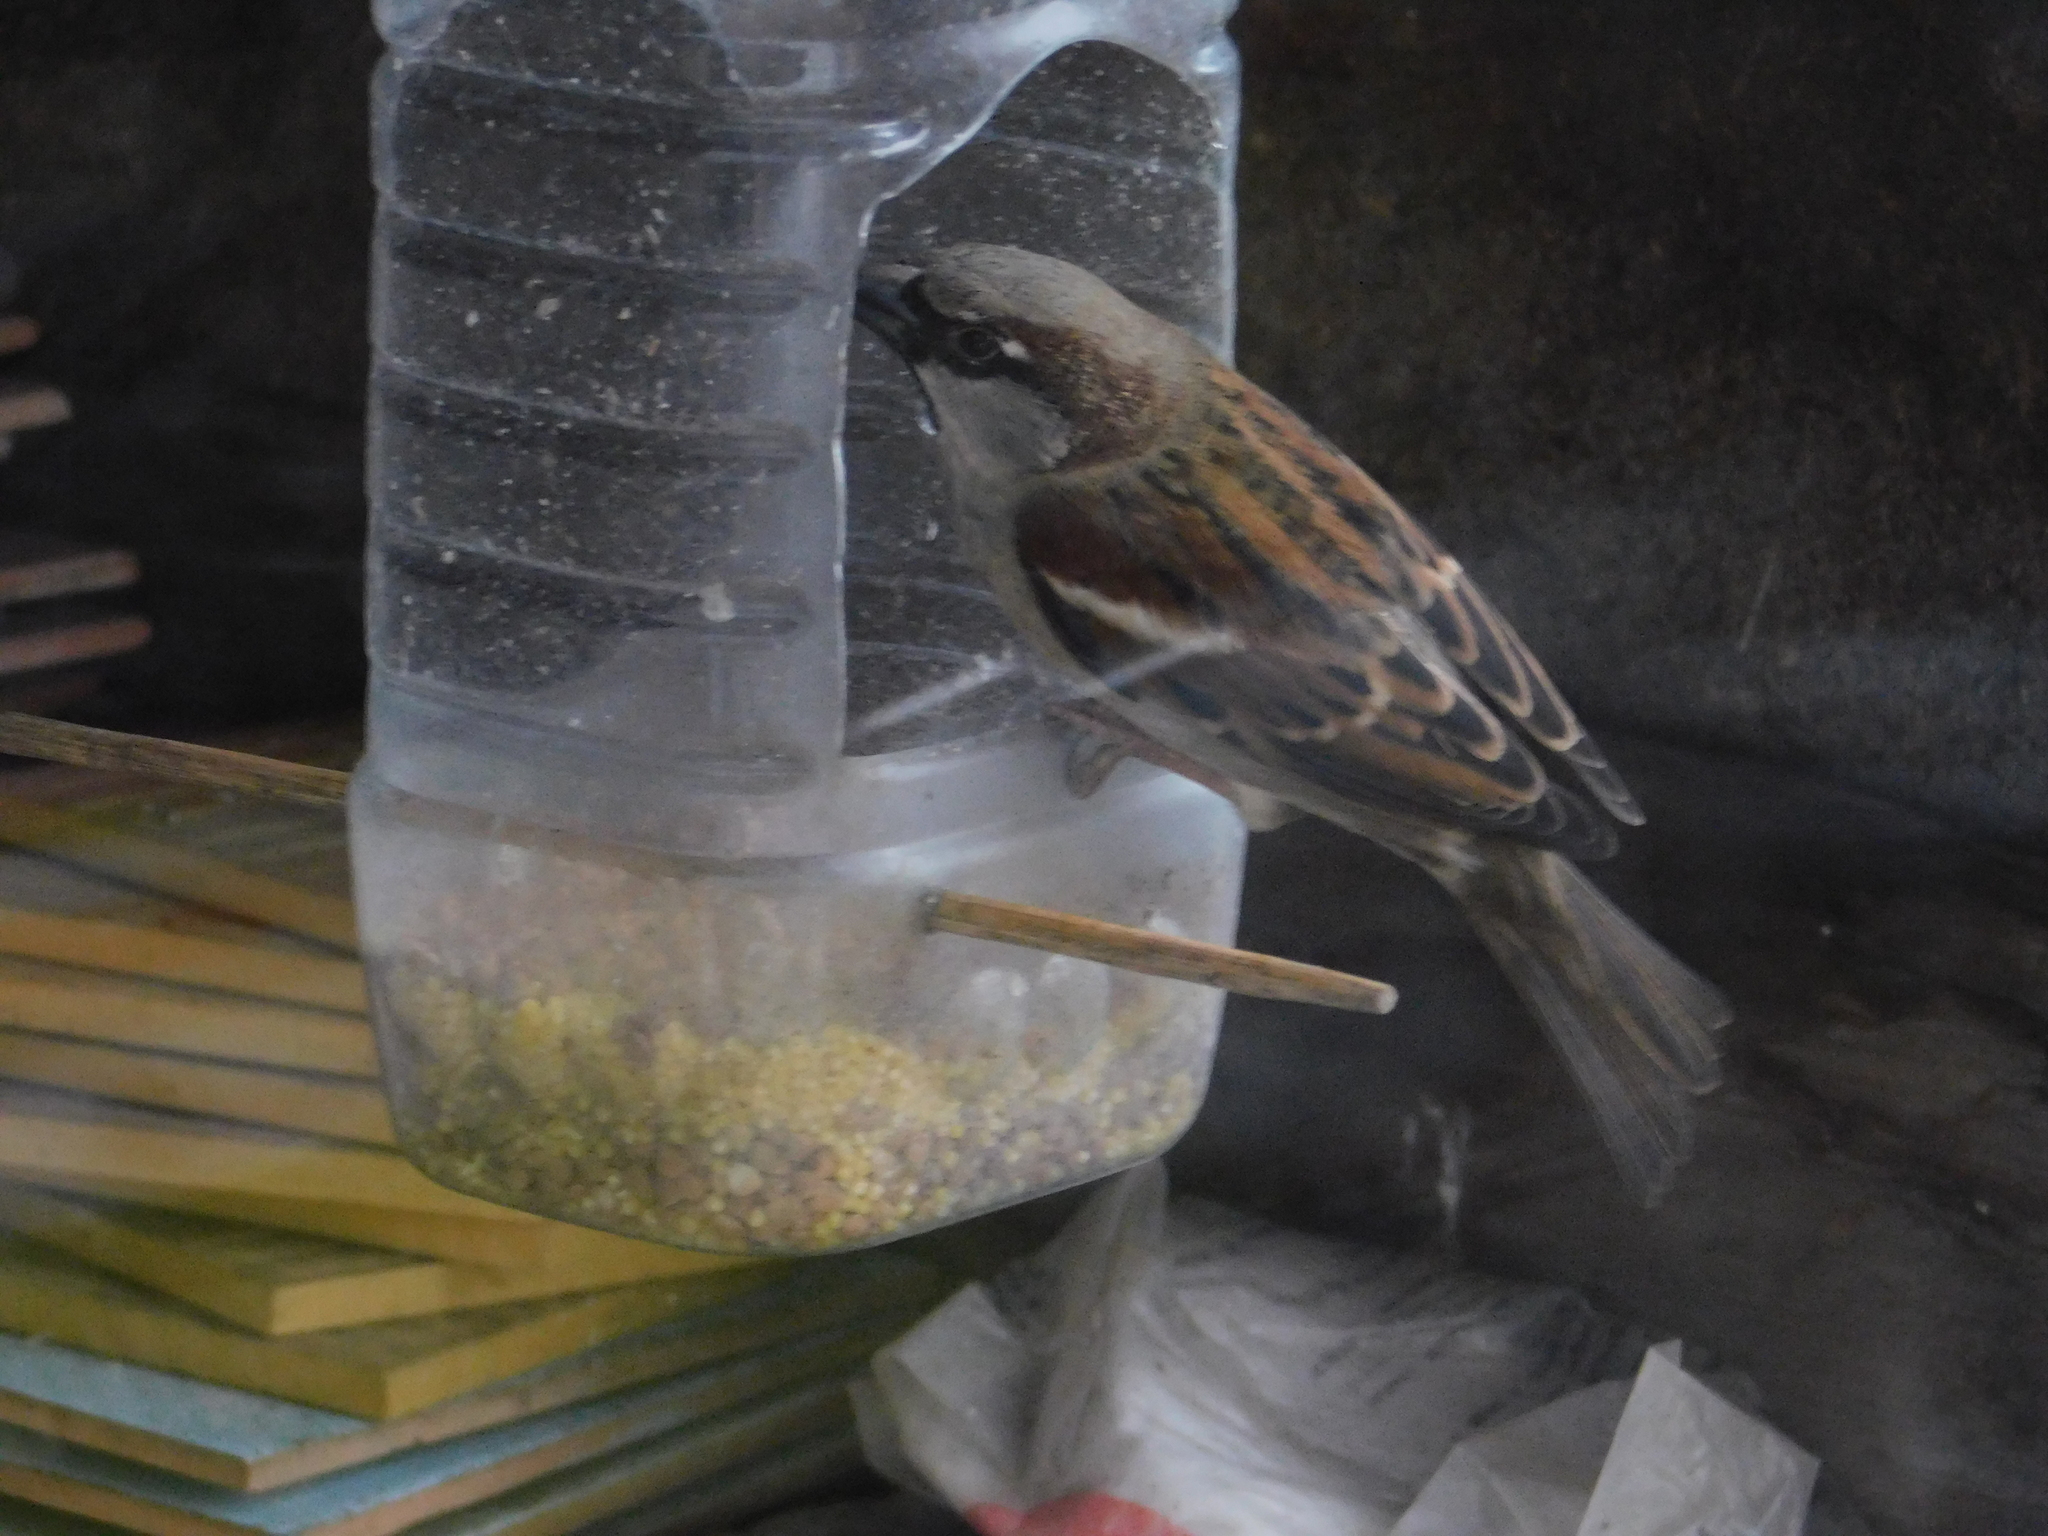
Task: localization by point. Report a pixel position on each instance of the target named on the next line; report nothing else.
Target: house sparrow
(1185, 549)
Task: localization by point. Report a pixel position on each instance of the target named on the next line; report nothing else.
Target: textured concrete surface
(1715, 338)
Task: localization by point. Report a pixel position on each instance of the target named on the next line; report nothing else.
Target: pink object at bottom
(1078, 1514)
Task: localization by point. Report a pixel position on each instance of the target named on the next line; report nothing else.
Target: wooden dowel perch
(1061, 933)
(1154, 954)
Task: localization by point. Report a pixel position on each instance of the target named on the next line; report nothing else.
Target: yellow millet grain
(814, 1140)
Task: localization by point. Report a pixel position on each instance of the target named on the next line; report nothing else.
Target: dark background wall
(1714, 337)
(185, 188)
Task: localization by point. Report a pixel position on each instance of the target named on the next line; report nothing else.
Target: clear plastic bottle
(681, 695)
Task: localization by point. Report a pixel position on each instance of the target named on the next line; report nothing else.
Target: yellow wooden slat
(174, 871)
(503, 1245)
(543, 1490)
(357, 1194)
(826, 1317)
(279, 1282)
(240, 1173)
(116, 1011)
(274, 1167)
(347, 1108)
(379, 1371)
(310, 980)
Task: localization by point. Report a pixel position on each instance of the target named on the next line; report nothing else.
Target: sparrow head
(1031, 365)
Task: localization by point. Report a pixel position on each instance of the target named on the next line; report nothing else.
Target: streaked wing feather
(1436, 589)
(1337, 688)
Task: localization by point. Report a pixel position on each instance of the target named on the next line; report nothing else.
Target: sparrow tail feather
(1632, 1023)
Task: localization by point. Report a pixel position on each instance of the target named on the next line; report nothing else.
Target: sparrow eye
(977, 345)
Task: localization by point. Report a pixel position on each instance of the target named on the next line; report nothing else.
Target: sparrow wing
(1182, 587)
(1310, 483)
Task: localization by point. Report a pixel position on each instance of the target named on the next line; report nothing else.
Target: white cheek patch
(996, 425)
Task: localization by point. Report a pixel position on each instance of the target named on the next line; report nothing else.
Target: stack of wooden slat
(228, 1307)
(58, 621)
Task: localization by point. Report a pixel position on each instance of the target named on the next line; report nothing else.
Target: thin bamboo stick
(1066, 933)
(1154, 954)
(85, 746)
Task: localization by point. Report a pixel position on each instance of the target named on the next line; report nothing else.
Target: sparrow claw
(1102, 740)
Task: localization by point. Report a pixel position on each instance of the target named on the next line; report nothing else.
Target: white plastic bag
(1226, 1376)
(1664, 1455)
(1189, 1371)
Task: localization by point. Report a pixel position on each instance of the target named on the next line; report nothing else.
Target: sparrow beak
(881, 303)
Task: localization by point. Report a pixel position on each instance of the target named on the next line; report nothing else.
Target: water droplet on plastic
(992, 999)
(716, 603)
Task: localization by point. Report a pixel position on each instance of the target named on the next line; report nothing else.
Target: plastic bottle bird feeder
(682, 698)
